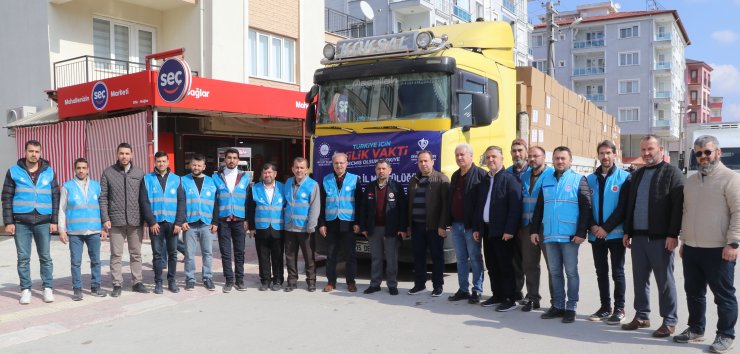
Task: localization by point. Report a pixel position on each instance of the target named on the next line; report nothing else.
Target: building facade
(715, 109)
(699, 88)
(630, 64)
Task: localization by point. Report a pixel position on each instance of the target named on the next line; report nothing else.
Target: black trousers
(294, 241)
(499, 258)
(702, 267)
(232, 238)
(337, 240)
(604, 251)
(269, 244)
(421, 240)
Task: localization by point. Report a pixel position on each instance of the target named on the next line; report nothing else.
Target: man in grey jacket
(121, 216)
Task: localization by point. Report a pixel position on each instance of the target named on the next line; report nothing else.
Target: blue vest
(29, 197)
(530, 200)
(340, 203)
(612, 188)
(560, 218)
(268, 213)
(297, 207)
(82, 213)
(199, 204)
(163, 202)
(510, 169)
(232, 203)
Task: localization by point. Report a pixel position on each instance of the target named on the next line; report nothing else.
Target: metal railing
(342, 24)
(662, 36)
(588, 43)
(661, 123)
(87, 68)
(588, 71)
(461, 13)
(663, 94)
(595, 98)
(662, 65)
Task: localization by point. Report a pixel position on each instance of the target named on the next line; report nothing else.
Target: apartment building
(630, 64)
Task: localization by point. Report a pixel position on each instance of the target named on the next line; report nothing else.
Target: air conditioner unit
(18, 113)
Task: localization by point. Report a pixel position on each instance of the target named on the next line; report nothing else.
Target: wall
(281, 18)
(226, 39)
(312, 40)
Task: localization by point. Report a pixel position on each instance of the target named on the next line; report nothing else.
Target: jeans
(93, 251)
(702, 267)
(232, 233)
(468, 254)
(602, 250)
(650, 256)
(563, 255)
(181, 247)
(39, 233)
(193, 237)
(421, 239)
(165, 243)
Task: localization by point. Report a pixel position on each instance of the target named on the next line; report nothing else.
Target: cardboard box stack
(559, 116)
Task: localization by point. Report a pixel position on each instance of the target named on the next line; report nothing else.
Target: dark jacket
(119, 195)
(618, 215)
(584, 208)
(505, 209)
(32, 218)
(665, 203)
(437, 197)
(396, 218)
(146, 207)
(470, 192)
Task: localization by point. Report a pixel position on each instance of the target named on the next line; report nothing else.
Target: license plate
(362, 247)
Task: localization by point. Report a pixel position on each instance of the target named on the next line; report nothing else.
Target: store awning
(47, 116)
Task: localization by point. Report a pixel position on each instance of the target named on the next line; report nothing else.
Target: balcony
(442, 7)
(342, 24)
(88, 68)
(662, 65)
(595, 98)
(662, 36)
(510, 5)
(461, 13)
(592, 43)
(662, 94)
(588, 71)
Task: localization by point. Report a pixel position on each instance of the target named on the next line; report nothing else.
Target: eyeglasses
(705, 152)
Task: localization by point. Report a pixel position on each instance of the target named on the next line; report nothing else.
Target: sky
(713, 27)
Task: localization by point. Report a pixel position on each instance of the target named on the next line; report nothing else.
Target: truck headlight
(329, 51)
(423, 39)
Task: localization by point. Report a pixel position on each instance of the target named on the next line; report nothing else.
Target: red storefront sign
(123, 92)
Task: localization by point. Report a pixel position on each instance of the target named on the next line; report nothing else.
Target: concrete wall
(311, 41)
(226, 39)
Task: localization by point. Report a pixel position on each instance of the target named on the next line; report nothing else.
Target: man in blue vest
(201, 221)
(79, 224)
(232, 185)
(265, 215)
(609, 190)
(302, 209)
(30, 200)
(162, 201)
(338, 221)
(518, 168)
(531, 253)
(564, 210)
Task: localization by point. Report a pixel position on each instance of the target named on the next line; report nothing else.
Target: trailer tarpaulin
(104, 135)
(61, 144)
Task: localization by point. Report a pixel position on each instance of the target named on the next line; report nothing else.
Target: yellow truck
(389, 97)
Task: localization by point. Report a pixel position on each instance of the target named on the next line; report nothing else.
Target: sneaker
(140, 288)
(25, 297)
(616, 318)
(239, 286)
(417, 290)
(276, 286)
(172, 287)
(227, 287)
(569, 316)
(289, 288)
(507, 306)
(48, 295)
(474, 298)
(98, 292)
(688, 336)
(393, 290)
(372, 289)
(491, 302)
(437, 292)
(208, 283)
(116, 291)
(601, 314)
(722, 344)
(190, 286)
(553, 312)
(158, 289)
(311, 288)
(531, 305)
(459, 295)
(77, 294)
(264, 286)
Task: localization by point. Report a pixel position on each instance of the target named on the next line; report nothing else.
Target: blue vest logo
(99, 95)
(174, 80)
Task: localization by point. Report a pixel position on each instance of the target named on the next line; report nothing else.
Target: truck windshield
(405, 96)
(730, 158)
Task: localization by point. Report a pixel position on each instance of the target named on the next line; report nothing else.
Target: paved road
(338, 322)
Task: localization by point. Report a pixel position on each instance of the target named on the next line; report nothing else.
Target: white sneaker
(48, 295)
(25, 297)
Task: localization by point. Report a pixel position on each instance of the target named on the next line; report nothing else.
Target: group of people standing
(509, 217)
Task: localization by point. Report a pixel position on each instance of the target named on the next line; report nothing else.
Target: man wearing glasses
(710, 232)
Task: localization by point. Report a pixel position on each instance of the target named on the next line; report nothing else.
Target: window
(479, 10)
(537, 40)
(694, 96)
(692, 117)
(630, 58)
(561, 63)
(693, 75)
(272, 57)
(716, 112)
(539, 65)
(629, 32)
(122, 41)
(629, 114)
(562, 37)
(629, 86)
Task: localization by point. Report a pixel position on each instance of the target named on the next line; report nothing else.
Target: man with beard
(609, 189)
(651, 230)
(710, 233)
(265, 215)
(520, 167)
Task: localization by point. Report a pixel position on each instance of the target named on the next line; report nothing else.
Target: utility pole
(551, 26)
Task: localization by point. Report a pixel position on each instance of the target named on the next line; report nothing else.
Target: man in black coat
(383, 221)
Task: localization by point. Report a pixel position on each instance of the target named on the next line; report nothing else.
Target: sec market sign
(174, 80)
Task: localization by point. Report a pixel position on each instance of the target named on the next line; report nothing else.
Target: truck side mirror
(311, 94)
(481, 110)
(311, 118)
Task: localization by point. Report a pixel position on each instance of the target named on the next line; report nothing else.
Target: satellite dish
(367, 10)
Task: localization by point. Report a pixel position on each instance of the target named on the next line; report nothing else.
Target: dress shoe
(140, 288)
(531, 305)
(328, 288)
(116, 291)
(77, 294)
(172, 286)
(393, 290)
(635, 324)
(569, 316)
(664, 331)
(474, 298)
(264, 286)
(311, 288)
(372, 289)
(289, 288)
(352, 287)
(98, 292)
(157, 288)
(276, 286)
